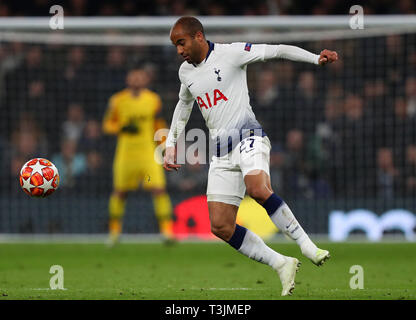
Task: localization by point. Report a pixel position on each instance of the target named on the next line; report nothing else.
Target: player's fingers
(171, 166)
(333, 56)
(176, 166)
(165, 166)
(328, 56)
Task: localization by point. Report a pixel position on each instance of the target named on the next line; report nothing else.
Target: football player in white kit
(214, 75)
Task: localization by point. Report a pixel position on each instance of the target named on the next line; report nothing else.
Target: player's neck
(204, 52)
(135, 92)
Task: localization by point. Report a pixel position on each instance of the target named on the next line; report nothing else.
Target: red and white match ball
(39, 177)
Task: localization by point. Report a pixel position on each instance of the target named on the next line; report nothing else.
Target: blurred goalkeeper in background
(132, 115)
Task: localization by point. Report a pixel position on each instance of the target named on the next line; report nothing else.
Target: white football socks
(284, 219)
(255, 248)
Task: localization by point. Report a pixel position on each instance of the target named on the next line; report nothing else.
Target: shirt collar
(210, 49)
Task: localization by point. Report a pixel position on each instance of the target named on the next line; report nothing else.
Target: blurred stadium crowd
(346, 130)
(203, 7)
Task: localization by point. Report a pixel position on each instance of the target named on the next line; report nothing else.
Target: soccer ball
(39, 177)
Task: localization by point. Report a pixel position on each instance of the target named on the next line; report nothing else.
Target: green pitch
(200, 271)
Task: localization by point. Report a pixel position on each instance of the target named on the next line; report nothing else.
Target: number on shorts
(250, 146)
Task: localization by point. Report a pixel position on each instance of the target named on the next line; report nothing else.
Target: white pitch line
(231, 289)
(45, 289)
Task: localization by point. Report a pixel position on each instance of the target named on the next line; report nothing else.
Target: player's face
(187, 47)
(137, 79)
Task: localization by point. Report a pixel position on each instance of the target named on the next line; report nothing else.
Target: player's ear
(199, 36)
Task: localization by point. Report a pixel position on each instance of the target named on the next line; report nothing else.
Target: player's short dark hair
(191, 25)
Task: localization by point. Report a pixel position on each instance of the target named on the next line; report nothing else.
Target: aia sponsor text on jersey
(212, 100)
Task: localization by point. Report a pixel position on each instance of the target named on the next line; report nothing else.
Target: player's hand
(169, 161)
(130, 128)
(327, 56)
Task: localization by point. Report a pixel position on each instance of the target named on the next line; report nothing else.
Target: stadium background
(343, 136)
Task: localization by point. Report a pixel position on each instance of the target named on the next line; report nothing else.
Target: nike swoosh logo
(290, 223)
(190, 84)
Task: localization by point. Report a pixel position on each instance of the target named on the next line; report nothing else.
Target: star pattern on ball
(47, 184)
(37, 167)
(26, 184)
(35, 173)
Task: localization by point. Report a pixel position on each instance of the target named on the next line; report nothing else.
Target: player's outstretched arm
(294, 53)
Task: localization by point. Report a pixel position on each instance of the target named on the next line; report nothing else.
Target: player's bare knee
(222, 231)
(258, 193)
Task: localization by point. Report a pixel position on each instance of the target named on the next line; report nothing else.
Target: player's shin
(252, 246)
(163, 211)
(116, 208)
(281, 215)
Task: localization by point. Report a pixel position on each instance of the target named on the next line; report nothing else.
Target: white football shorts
(226, 174)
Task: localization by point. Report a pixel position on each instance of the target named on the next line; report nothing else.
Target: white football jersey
(219, 86)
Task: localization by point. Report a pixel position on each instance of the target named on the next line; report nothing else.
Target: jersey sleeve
(181, 115)
(283, 51)
(246, 53)
(243, 53)
(184, 94)
(111, 122)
